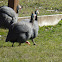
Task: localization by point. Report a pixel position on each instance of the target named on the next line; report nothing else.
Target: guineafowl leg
(12, 44)
(19, 44)
(33, 41)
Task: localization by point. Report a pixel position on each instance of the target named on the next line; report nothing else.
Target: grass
(48, 48)
(49, 40)
(42, 5)
(3, 2)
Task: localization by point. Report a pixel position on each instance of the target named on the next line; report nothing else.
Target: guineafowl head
(32, 18)
(36, 12)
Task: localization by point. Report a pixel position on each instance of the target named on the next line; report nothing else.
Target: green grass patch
(48, 48)
(42, 5)
(49, 40)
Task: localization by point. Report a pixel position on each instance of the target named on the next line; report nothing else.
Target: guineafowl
(7, 17)
(20, 32)
(35, 26)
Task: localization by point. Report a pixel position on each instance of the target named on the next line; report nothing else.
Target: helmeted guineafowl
(35, 26)
(7, 17)
(20, 32)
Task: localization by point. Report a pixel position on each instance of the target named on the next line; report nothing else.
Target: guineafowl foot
(6, 40)
(19, 44)
(34, 44)
(12, 44)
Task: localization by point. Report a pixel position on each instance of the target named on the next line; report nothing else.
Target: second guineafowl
(7, 17)
(35, 26)
(20, 32)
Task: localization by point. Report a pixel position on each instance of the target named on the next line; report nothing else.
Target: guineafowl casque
(7, 17)
(20, 32)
